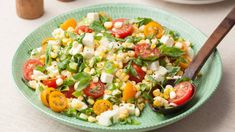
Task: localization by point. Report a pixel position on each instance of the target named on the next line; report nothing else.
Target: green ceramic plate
(212, 71)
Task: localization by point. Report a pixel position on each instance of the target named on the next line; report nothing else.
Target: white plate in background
(194, 1)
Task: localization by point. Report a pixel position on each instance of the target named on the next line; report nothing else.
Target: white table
(16, 114)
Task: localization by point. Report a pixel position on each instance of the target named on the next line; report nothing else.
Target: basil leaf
(170, 51)
(142, 21)
(68, 82)
(173, 70)
(81, 75)
(111, 38)
(80, 38)
(183, 79)
(48, 55)
(133, 72)
(63, 65)
(97, 26)
(40, 68)
(138, 61)
(133, 39)
(77, 93)
(103, 18)
(83, 83)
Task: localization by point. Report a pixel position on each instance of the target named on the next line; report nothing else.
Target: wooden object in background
(29, 9)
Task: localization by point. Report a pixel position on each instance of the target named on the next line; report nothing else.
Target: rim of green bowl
(149, 127)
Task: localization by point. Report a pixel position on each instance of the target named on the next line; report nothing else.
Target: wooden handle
(29, 9)
(210, 45)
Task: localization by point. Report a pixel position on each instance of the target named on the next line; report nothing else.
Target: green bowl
(212, 70)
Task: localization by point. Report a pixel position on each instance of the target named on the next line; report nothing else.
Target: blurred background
(17, 114)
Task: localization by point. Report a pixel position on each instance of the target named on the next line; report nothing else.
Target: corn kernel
(157, 103)
(91, 119)
(87, 70)
(156, 92)
(153, 46)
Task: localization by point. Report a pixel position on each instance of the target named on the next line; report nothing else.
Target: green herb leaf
(77, 93)
(170, 51)
(68, 82)
(133, 39)
(183, 79)
(40, 68)
(111, 38)
(173, 70)
(80, 38)
(70, 112)
(142, 21)
(84, 80)
(97, 26)
(48, 55)
(103, 18)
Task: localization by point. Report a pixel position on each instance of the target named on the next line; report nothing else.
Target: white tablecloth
(16, 114)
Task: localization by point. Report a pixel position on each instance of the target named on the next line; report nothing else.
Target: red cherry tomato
(50, 82)
(145, 52)
(140, 74)
(95, 90)
(184, 92)
(123, 31)
(83, 29)
(69, 93)
(29, 66)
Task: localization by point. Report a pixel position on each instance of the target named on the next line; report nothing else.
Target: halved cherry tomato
(71, 22)
(123, 31)
(69, 93)
(140, 74)
(50, 82)
(29, 66)
(57, 101)
(101, 106)
(145, 52)
(83, 29)
(128, 92)
(95, 90)
(184, 92)
(153, 28)
(45, 96)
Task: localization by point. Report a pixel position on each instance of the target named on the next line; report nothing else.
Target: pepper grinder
(29, 9)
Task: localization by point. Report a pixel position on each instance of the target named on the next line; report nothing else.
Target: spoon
(191, 72)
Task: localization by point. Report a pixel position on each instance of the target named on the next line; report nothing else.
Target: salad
(102, 70)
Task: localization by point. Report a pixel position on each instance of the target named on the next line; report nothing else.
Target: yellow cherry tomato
(153, 28)
(101, 106)
(71, 22)
(57, 101)
(45, 96)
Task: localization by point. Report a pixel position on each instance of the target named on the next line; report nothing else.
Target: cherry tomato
(123, 31)
(95, 90)
(50, 82)
(145, 52)
(83, 29)
(140, 74)
(29, 66)
(153, 28)
(69, 93)
(57, 101)
(184, 92)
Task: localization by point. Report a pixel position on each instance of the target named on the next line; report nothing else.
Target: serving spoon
(207, 49)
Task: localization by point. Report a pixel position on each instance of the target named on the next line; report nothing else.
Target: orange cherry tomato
(57, 101)
(71, 22)
(101, 106)
(185, 65)
(128, 92)
(153, 28)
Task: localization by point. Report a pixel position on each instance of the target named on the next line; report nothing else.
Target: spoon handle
(210, 45)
